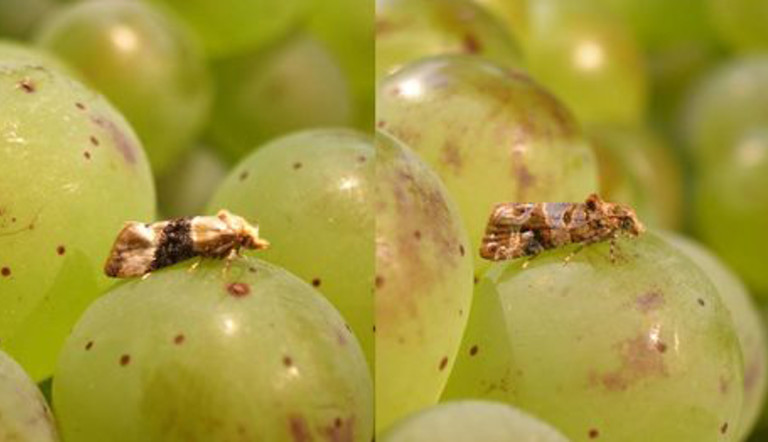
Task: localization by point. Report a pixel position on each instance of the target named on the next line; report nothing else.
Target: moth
(141, 248)
(518, 230)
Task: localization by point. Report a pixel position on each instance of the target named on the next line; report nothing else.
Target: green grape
(741, 23)
(345, 26)
(472, 420)
(18, 18)
(729, 101)
(228, 27)
(636, 168)
(146, 64)
(512, 13)
(247, 353)
(589, 59)
(72, 172)
(492, 135)
(423, 283)
(635, 348)
(409, 30)
(731, 207)
(19, 53)
(310, 193)
(24, 414)
(749, 326)
(296, 84)
(189, 184)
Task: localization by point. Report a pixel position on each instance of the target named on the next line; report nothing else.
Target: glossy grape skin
(741, 23)
(423, 283)
(251, 353)
(293, 85)
(228, 27)
(637, 350)
(472, 420)
(749, 326)
(72, 173)
(24, 415)
(729, 101)
(186, 188)
(409, 30)
(637, 168)
(311, 194)
(491, 135)
(587, 58)
(731, 207)
(145, 63)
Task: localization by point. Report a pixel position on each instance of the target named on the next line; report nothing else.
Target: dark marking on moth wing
(175, 244)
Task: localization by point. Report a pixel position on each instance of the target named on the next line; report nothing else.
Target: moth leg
(233, 253)
(195, 265)
(145, 276)
(612, 249)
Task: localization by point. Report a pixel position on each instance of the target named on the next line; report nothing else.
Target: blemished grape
(729, 101)
(749, 326)
(731, 207)
(24, 414)
(345, 26)
(637, 348)
(638, 169)
(186, 188)
(741, 23)
(311, 195)
(296, 84)
(423, 283)
(249, 353)
(588, 58)
(228, 27)
(72, 172)
(492, 135)
(472, 420)
(145, 63)
(409, 30)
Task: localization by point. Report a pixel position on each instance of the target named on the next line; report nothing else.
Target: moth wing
(133, 251)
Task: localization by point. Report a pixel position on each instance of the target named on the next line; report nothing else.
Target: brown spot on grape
(471, 44)
(299, 429)
(252, 269)
(243, 175)
(60, 250)
(122, 141)
(179, 339)
(381, 124)
(340, 430)
(316, 282)
(379, 281)
(724, 428)
(337, 422)
(5, 271)
(450, 155)
(125, 360)
(661, 347)
(417, 234)
(88, 345)
(640, 359)
(461, 250)
(473, 350)
(476, 280)
(723, 385)
(80, 106)
(287, 361)
(461, 312)
(443, 363)
(238, 289)
(94, 140)
(87, 155)
(27, 85)
(650, 301)
(362, 159)
(701, 302)
(593, 433)
(297, 165)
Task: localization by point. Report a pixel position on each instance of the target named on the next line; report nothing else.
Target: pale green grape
(491, 135)
(749, 326)
(409, 30)
(189, 184)
(24, 414)
(741, 23)
(423, 283)
(72, 172)
(638, 348)
(589, 59)
(227, 27)
(145, 63)
(311, 194)
(729, 101)
(472, 420)
(638, 169)
(731, 207)
(296, 84)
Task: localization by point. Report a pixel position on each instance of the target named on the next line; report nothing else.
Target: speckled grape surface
(148, 65)
(638, 349)
(311, 194)
(472, 420)
(292, 85)
(748, 320)
(251, 353)
(71, 172)
(24, 414)
(492, 135)
(423, 283)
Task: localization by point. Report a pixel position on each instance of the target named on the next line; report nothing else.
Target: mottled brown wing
(132, 252)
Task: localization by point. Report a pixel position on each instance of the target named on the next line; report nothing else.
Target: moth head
(247, 233)
(626, 219)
